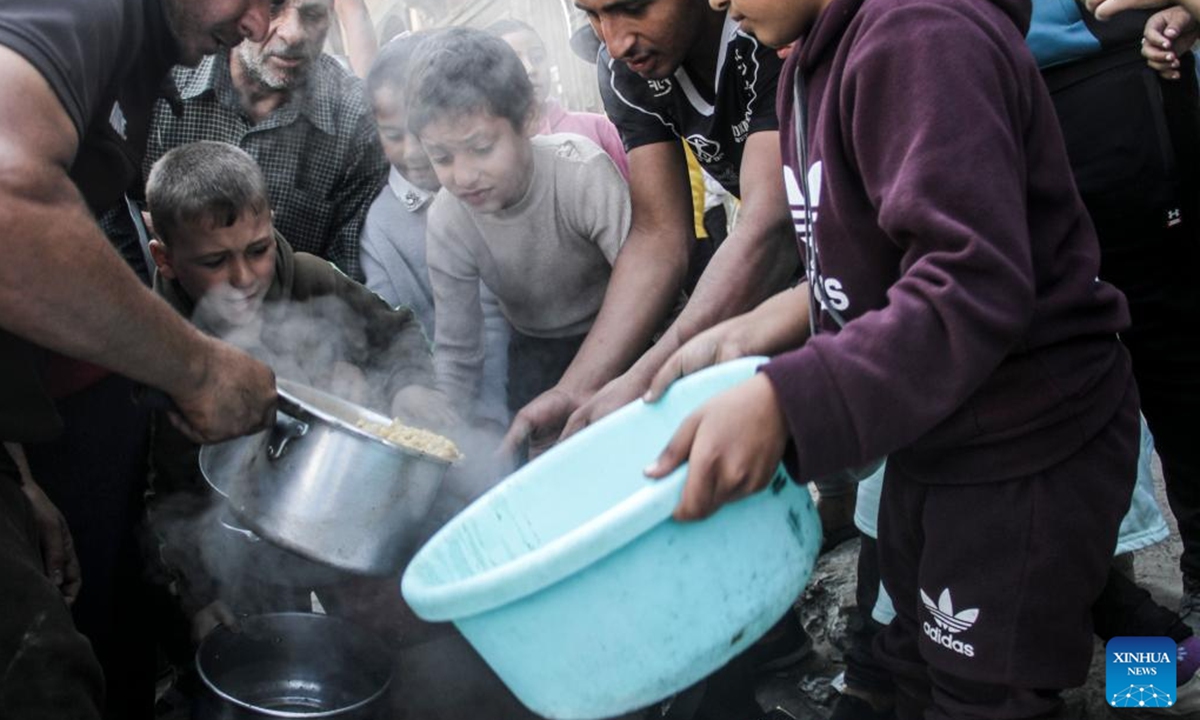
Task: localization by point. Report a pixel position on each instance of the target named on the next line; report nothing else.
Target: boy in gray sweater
(393, 241)
(538, 219)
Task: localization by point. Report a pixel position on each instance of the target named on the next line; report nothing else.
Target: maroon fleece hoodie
(962, 331)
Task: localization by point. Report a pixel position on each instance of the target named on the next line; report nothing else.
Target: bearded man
(301, 115)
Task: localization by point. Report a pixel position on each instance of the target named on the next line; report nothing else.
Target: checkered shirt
(319, 152)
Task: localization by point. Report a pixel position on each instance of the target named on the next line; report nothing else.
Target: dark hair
(508, 26)
(393, 65)
(204, 181)
(461, 71)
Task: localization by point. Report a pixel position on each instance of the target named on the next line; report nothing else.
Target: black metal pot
(292, 665)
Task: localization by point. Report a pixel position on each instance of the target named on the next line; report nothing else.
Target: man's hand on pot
(732, 444)
(1168, 35)
(235, 395)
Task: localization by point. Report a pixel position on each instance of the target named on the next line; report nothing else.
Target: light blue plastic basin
(575, 585)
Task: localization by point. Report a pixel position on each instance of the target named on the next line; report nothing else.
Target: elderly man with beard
(77, 83)
(301, 115)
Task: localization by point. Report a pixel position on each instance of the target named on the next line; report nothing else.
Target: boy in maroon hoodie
(954, 324)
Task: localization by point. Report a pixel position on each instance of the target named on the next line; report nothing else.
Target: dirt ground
(806, 693)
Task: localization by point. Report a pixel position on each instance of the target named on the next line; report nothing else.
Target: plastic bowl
(575, 585)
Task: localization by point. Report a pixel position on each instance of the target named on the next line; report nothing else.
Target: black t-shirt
(653, 111)
(94, 54)
(105, 60)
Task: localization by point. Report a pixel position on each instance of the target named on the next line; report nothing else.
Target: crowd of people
(964, 232)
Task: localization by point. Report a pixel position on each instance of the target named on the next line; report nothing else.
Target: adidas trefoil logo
(949, 623)
(944, 615)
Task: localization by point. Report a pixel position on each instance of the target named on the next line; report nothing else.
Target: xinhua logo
(1140, 672)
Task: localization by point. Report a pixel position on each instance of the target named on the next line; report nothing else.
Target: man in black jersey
(672, 70)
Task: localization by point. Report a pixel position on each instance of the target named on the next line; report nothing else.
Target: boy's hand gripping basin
(575, 585)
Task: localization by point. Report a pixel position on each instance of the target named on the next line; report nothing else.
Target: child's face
(402, 148)
(228, 269)
(480, 158)
(532, 51)
(774, 22)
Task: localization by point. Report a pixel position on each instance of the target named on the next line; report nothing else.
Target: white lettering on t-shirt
(660, 87)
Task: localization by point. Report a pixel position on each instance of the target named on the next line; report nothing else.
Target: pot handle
(289, 405)
(287, 429)
(248, 534)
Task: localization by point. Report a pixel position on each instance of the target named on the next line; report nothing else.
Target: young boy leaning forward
(956, 326)
(393, 240)
(538, 219)
(222, 264)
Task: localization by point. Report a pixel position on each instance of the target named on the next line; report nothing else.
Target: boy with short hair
(222, 264)
(393, 242)
(538, 219)
(956, 326)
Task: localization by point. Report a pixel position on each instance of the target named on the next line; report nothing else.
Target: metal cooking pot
(270, 562)
(320, 486)
(292, 665)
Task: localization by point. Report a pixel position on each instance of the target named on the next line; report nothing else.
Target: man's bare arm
(63, 287)
(754, 262)
(757, 258)
(649, 270)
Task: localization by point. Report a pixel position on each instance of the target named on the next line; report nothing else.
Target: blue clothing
(1057, 33)
(1060, 32)
(1144, 524)
(393, 248)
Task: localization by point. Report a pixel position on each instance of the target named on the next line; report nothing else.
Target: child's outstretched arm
(725, 461)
